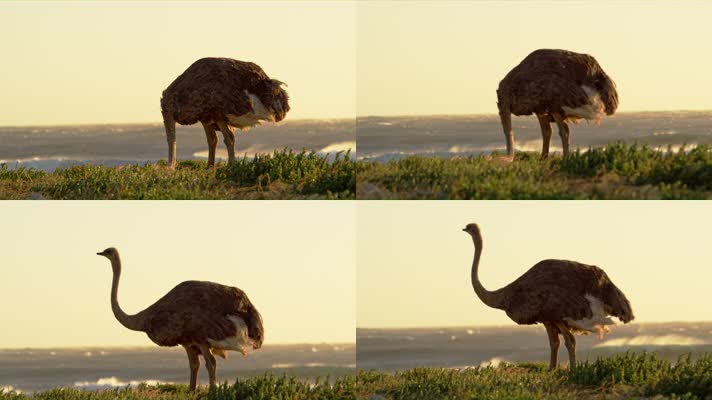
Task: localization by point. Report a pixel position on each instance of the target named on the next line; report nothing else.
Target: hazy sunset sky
(295, 260)
(414, 261)
(440, 57)
(108, 62)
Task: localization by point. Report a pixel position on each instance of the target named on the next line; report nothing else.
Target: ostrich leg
(570, 342)
(563, 132)
(194, 363)
(170, 124)
(229, 136)
(210, 363)
(545, 125)
(212, 143)
(506, 118)
(553, 333)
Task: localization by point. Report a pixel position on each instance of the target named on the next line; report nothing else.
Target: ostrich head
(472, 229)
(276, 98)
(113, 255)
(254, 329)
(474, 232)
(607, 90)
(109, 253)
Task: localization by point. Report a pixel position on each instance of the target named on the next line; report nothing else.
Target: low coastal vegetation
(283, 174)
(617, 171)
(624, 376)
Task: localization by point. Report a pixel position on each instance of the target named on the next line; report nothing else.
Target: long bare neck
(492, 299)
(129, 321)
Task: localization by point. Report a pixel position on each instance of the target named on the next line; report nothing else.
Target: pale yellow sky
(80, 62)
(295, 260)
(108, 62)
(414, 261)
(447, 57)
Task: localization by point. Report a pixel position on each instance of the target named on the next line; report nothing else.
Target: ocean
(30, 370)
(51, 147)
(463, 347)
(388, 138)
(379, 138)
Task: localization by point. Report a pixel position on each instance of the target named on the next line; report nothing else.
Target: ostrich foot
(501, 161)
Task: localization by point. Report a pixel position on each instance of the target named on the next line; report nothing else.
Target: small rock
(35, 196)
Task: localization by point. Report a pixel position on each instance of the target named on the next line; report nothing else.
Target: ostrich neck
(491, 299)
(129, 321)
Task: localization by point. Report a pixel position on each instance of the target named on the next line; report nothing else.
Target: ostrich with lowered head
(558, 86)
(222, 94)
(566, 296)
(205, 318)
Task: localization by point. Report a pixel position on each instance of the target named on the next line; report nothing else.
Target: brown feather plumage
(547, 80)
(195, 311)
(553, 290)
(211, 88)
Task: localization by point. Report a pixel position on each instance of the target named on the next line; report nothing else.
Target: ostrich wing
(543, 91)
(195, 311)
(556, 289)
(546, 302)
(546, 80)
(211, 102)
(212, 88)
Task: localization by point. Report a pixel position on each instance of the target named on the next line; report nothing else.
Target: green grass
(618, 171)
(625, 376)
(281, 175)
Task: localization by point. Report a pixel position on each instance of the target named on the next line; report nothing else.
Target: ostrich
(557, 86)
(204, 317)
(222, 94)
(566, 296)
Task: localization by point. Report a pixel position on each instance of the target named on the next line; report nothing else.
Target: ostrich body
(558, 86)
(567, 297)
(205, 318)
(222, 94)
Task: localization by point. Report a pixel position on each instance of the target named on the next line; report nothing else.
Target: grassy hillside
(631, 375)
(281, 175)
(618, 171)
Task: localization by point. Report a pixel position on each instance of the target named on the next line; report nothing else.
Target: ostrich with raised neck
(567, 297)
(205, 318)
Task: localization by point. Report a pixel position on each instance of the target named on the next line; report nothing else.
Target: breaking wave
(341, 146)
(645, 340)
(9, 388)
(494, 362)
(113, 382)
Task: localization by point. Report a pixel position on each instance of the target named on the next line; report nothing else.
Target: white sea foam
(341, 146)
(113, 382)
(675, 147)
(494, 362)
(251, 152)
(645, 340)
(9, 388)
(662, 133)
